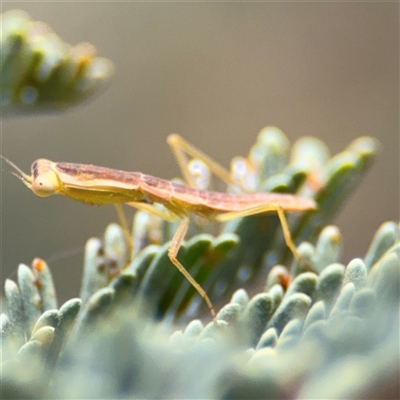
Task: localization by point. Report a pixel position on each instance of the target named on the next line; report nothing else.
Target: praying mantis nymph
(99, 185)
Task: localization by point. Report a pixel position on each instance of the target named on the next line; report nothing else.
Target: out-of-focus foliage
(40, 72)
(328, 335)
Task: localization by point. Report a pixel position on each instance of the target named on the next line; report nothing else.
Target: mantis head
(43, 181)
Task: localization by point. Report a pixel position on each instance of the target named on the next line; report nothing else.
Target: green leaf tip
(294, 306)
(42, 73)
(31, 300)
(386, 236)
(343, 300)
(50, 318)
(328, 249)
(44, 335)
(256, 314)
(329, 281)
(356, 273)
(268, 339)
(229, 313)
(316, 313)
(270, 153)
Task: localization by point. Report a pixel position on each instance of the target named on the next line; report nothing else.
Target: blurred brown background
(216, 73)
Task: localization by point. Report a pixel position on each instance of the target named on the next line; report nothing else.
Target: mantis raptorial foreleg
(276, 207)
(125, 228)
(165, 215)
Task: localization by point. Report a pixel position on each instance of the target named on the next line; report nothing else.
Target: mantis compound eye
(45, 184)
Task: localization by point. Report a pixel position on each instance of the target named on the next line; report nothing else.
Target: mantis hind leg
(276, 207)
